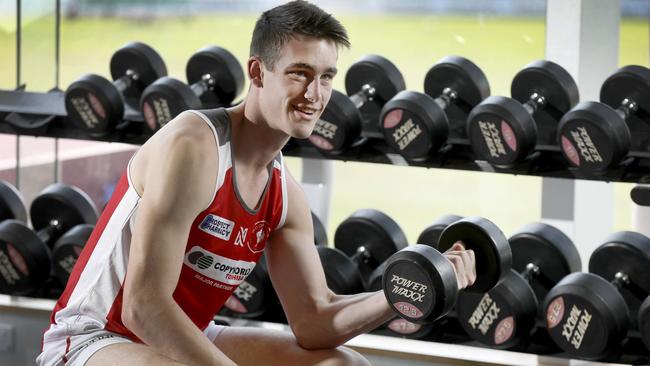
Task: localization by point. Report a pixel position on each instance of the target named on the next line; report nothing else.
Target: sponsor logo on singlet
(217, 226)
(261, 232)
(216, 267)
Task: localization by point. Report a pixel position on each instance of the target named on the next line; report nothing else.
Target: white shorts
(77, 349)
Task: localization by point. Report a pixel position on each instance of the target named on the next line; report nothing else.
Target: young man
(184, 228)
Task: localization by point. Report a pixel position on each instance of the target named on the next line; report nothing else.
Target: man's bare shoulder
(186, 140)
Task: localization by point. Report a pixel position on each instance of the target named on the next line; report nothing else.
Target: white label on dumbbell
(581, 330)
(216, 267)
(326, 129)
(575, 327)
(67, 263)
(7, 270)
(486, 312)
(245, 291)
(409, 289)
(85, 112)
(161, 110)
(492, 138)
(406, 133)
(585, 145)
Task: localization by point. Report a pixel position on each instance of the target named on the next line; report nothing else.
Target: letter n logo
(241, 236)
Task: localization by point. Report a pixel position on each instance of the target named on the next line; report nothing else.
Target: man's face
(296, 92)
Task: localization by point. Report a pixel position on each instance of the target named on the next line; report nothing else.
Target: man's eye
(328, 76)
(299, 73)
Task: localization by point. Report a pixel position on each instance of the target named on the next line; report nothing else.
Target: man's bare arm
(177, 177)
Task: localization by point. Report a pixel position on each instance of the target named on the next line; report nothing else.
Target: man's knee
(348, 356)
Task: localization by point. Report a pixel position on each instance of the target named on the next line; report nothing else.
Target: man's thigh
(128, 354)
(259, 346)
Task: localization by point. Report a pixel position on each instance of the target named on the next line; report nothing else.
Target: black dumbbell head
(223, 67)
(644, 322)
(550, 81)
(593, 137)
(67, 249)
(94, 104)
(502, 317)
(420, 284)
(375, 231)
(549, 249)
(66, 204)
(627, 252)
(144, 61)
(629, 82)
(339, 125)
(24, 260)
(490, 246)
(378, 72)
(342, 274)
(12, 205)
(431, 234)
(165, 99)
(586, 316)
(414, 125)
(254, 296)
(462, 76)
(320, 234)
(501, 131)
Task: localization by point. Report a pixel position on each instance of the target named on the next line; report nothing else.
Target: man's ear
(256, 71)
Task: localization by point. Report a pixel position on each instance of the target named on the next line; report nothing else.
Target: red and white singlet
(224, 243)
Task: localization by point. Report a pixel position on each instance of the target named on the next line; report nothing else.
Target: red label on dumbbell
(320, 142)
(96, 105)
(235, 305)
(392, 118)
(509, 136)
(504, 330)
(570, 151)
(403, 326)
(149, 116)
(554, 313)
(17, 259)
(408, 310)
(78, 250)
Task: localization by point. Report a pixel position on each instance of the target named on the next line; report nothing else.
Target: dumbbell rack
(44, 115)
(46, 112)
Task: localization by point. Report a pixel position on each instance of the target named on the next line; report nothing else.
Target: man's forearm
(163, 326)
(343, 318)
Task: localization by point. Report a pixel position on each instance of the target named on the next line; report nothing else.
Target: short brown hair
(276, 26)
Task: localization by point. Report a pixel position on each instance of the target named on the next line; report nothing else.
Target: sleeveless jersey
(224, 243)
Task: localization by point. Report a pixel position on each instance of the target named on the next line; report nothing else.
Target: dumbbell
(25, 253)
(420, 283)
(255, 297)
(96, 105)
(362, 242)
(402, 327)
(431, 234)
(506, 131)
(370, 83)
(644, 322)
(505, 317)
(215, 78)
(595, 137)
(586, 315)
(417, 125)
(320, 234)
(12, 205)
(67, 249)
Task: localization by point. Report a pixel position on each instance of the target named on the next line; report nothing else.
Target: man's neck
(255, 144)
